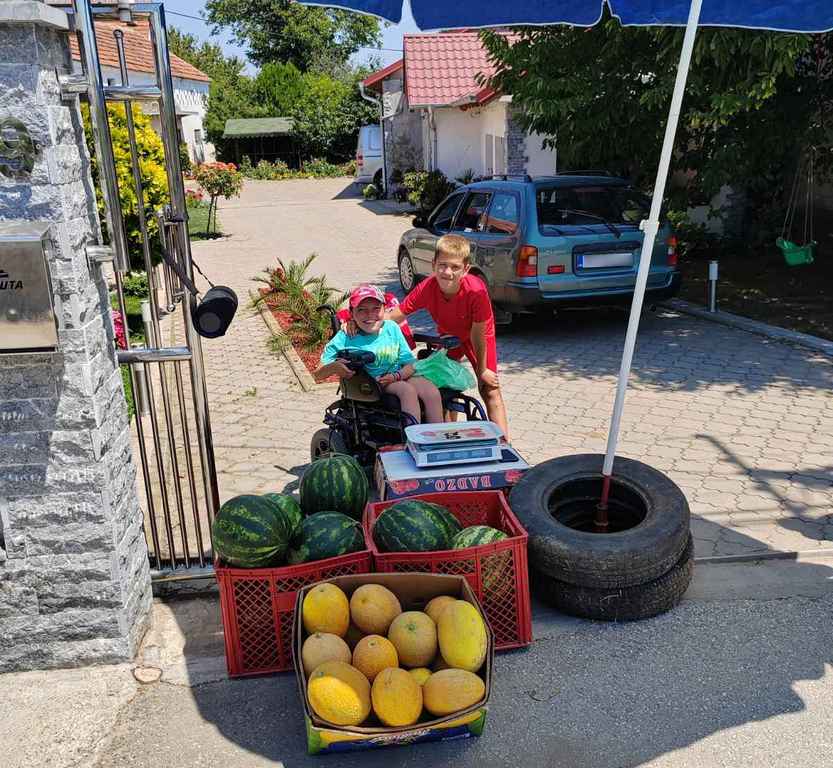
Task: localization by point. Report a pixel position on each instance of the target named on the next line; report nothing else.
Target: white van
(369, 156)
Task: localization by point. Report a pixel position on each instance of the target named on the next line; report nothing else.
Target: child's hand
(350, 328)
(342, 371)
(387, 378)
(489, 378)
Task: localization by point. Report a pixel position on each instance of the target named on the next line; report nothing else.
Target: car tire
(635, 555)
(325, 442)
(641, 601)
(377, 181)
(408, 277)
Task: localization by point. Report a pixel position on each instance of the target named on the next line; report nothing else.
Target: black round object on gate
(213, 315)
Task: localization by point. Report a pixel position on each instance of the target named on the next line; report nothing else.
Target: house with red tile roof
(190, 84)
(436, 107)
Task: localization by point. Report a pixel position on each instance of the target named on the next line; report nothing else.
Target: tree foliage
(754, 101)
(285, 31)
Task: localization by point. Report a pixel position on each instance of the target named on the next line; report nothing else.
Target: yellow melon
(321, 647)
(374, 653)
(326, 609)
(415, 636)
(420, 674)
(396, 697)
(451, 690)
(339, 693)
(354, 634)
(462, 636)
(436, 606)
(373, 607)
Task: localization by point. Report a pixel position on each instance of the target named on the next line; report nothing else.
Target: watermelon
(290, 511)
(249, 532)
(415, 526)
(475, 535)
(336, 483)
(327, 534)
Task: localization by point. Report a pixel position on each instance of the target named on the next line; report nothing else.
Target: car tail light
(359, 157)
(556, 269)
(673, 256)
(527, 261)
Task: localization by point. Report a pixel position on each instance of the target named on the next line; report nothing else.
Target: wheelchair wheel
(326, 441)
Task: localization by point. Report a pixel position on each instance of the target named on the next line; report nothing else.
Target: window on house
(488, 154)
(503, 214)
(500, 154)
(472, 211)
(197, 136)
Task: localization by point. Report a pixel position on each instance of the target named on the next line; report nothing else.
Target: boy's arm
(478, 339)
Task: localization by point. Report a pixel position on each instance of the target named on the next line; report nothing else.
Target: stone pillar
(74, 576)
(516, 157)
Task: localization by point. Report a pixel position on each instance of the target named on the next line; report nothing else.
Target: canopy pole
(650, 227)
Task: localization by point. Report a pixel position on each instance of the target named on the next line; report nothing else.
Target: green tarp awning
(239, 128)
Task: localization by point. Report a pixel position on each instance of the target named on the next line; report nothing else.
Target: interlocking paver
(742, 423)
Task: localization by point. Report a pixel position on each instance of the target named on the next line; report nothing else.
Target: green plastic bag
(443, 372)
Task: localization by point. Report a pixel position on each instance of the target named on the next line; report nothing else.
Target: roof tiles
(138, 51)
(442, 69)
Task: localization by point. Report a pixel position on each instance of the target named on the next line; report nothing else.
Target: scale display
(443, 444)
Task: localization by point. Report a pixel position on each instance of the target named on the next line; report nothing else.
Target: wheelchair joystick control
(356, 359)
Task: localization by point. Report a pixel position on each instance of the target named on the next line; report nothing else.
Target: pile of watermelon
(273, 530)
(414, 525)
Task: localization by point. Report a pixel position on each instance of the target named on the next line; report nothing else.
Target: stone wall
(74, 579)
(516, 156)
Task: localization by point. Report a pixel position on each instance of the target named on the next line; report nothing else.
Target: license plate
(604, 260)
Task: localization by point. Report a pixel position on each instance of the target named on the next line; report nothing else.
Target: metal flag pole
(650, 228)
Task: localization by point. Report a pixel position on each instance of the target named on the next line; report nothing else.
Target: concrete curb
(753, 326)
(303, 376)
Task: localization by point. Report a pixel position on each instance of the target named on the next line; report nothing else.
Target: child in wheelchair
(392, 364)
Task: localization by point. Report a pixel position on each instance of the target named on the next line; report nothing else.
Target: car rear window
(591, 204)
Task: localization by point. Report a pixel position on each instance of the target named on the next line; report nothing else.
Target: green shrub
(427, 189)
(184, 158)
(154, 178)
(370, 192)
(135, 284)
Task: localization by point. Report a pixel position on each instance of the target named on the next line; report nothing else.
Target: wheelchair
(366, 419)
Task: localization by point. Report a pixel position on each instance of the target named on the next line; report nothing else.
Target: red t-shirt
(454, 316)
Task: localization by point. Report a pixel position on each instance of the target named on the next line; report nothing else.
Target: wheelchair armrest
(437, 342)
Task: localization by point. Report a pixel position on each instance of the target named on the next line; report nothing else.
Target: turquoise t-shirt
(389, 345)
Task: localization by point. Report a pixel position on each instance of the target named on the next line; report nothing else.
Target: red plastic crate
(502, 566)
(258, 607)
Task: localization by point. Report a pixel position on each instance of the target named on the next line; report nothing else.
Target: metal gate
(172, 435)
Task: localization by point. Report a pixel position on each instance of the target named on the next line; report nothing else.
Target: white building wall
(462, 142)
(540, 161)
(461, 137)
(191, 96)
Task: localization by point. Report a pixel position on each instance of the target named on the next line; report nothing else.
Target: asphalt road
(725, 683)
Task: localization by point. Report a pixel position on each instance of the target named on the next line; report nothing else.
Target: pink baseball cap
(365, 291)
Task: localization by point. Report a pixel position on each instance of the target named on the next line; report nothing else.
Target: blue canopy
(783, 15)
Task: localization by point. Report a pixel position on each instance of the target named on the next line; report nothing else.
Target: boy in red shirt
(460, 306)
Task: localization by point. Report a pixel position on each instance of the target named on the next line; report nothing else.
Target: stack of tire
(622, 575)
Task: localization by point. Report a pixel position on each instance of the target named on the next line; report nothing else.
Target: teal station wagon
(547, 243)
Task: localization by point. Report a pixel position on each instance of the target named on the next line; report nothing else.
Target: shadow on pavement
(585, 694)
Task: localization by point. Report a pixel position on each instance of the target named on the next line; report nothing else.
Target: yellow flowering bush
(154, 179)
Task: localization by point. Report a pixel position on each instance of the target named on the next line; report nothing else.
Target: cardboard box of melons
(370, 659)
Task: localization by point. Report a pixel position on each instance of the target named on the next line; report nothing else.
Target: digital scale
(434, 445)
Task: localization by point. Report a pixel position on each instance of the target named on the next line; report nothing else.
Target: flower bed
(293, 298)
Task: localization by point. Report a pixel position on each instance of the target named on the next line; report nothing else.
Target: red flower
(118, 328)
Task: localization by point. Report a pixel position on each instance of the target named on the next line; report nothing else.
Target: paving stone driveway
(743, 424)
